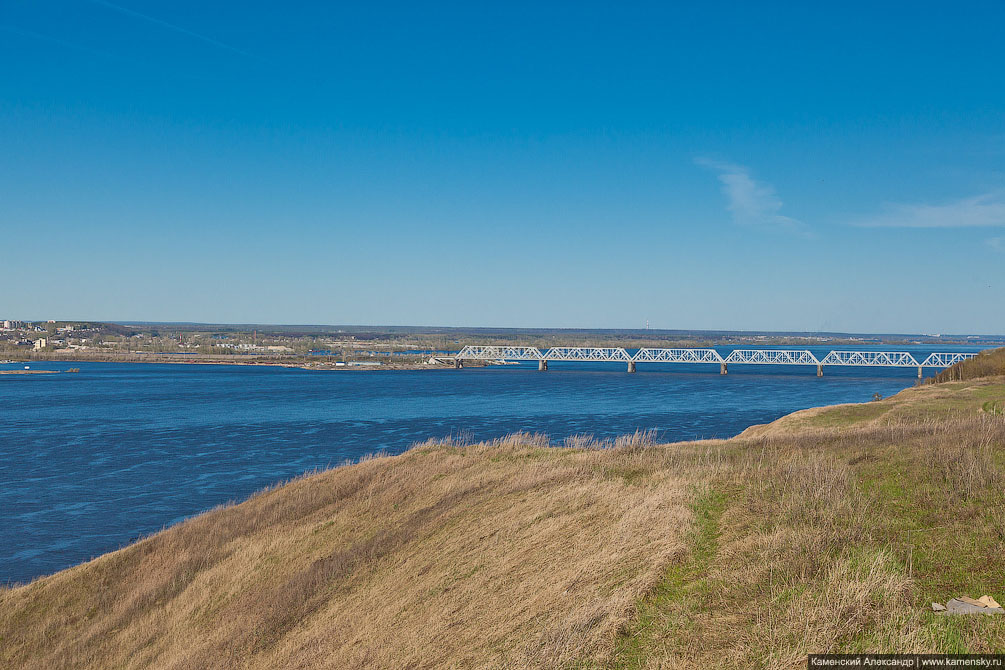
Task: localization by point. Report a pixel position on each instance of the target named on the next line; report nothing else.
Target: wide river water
(93, 460)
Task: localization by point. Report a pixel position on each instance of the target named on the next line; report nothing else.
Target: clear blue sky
(706, 165)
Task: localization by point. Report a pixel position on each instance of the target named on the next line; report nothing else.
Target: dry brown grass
(509, 554)
(791, 538)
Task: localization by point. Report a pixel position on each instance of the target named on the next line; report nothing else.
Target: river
(90, 461)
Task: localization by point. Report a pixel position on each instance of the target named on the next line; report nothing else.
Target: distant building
(40, 343)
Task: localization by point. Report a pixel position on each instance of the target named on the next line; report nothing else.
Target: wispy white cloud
(171, 26)
(751, 202)
(983, 210)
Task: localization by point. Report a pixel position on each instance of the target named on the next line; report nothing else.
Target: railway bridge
(893, 359)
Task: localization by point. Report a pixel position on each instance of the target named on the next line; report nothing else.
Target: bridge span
(894, 359)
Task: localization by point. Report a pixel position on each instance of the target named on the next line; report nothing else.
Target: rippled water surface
(92, 460)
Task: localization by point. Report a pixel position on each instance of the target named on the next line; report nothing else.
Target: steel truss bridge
(893, 359)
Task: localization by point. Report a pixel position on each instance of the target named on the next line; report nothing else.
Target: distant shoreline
(29, 372)
(217, 360)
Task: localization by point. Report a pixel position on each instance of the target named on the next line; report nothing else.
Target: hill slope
(988, 363)
(831, 529)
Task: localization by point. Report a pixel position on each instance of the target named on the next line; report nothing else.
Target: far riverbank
(306, 363)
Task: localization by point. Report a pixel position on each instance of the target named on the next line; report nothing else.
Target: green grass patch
(995, 407)
(628, 475)
(849, 414)
(950, 545)
(944, 401)
(681, 582)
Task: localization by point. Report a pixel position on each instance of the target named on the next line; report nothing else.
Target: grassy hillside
(832, 529)
(988, 363)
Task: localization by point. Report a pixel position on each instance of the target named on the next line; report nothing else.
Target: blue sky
(789, 166)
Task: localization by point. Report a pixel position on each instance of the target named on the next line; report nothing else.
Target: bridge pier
(542, 365)
(457, 364)
(919, 372)
(631, 366)
(723, 370)
(820, 371)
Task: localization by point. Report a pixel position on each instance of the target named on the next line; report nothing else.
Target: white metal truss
(677, 356)
(494, 353)
(900, 359)
(586, 354)
(772, 357)
(944, 360)
(750, 356)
